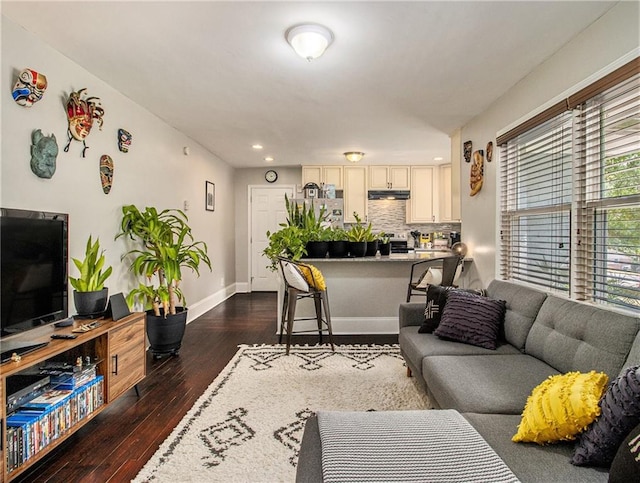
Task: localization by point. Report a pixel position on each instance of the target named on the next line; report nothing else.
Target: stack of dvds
(48, 417)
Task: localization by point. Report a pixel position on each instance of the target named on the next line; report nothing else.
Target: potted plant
(288, 241)
(384, 243)
(314, 229)
(357, 236)
(338, 243)
(90, 294)
(372, 242)
(166, 247)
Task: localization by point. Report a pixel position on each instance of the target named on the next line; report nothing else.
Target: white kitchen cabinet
(444, 189)
(389, 177)
(421, 205)
(355, 193)
(323, 175)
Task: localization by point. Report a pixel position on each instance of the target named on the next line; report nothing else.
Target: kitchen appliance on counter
(397, 244)
(454, 237)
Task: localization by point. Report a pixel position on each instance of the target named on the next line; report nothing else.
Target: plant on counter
(384, 243)
(167, 247)
(358, 232)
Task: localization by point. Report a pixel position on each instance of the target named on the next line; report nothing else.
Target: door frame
(251, 187)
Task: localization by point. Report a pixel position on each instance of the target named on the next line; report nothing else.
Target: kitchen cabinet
(421, 205)
(355, 193)
(323, 175)
(444, 188)
(389, 177)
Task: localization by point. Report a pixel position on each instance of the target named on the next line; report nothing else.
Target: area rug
(248, 424)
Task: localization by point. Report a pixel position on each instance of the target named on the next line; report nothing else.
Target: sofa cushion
(620, 413)
(416, 346)
(529, 461)
(472, 319)
(436, 301)
(626, 464)
(484, 383)
(561, 407)
(572, 336)
(523, 304)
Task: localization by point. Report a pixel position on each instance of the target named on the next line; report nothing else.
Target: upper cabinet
(355, 193)
(420, 207)
(446, 199)
(389, 177)
(323, 175)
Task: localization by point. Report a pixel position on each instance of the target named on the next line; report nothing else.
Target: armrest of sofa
(411, 314)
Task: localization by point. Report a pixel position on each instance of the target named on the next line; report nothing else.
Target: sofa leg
(408, 371)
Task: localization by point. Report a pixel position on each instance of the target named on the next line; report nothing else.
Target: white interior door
(268, 210)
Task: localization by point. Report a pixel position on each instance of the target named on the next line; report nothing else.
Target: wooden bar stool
(303, 281)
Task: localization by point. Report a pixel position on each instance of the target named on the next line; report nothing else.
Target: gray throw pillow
(436, 301)
(620, 413)
(472, 319)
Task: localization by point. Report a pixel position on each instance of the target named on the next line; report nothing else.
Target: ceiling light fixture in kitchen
(353, 156)
(310, 40)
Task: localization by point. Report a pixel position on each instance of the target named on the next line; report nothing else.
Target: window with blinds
(608, 206)
(570, 196)
(536, 204)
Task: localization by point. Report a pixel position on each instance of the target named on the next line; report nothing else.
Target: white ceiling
(398, 79)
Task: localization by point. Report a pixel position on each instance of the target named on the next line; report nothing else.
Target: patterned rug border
(204, 401)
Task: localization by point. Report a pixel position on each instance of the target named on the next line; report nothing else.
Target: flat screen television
(33, 270)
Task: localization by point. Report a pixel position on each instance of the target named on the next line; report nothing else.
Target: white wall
(154, 172)
(253, 177)
(610, 38)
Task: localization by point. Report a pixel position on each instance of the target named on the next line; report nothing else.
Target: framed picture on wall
(210, 196)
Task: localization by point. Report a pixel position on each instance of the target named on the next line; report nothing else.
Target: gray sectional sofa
(543, 335)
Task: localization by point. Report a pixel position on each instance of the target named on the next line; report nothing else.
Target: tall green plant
(358, 232)
(167, 246)
(92, 277)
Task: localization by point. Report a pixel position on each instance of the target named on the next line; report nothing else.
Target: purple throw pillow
(620, 413)
(436, 301)
(472, 319)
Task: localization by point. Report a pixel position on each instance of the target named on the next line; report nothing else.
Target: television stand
(8, 349)
(119, 349)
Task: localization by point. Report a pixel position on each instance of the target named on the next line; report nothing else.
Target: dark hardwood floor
(118, 442)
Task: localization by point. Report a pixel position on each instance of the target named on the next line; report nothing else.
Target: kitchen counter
(412, 256)
(365, 292)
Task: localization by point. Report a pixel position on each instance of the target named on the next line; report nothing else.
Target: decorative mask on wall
(477, 172)
(467, 148)
(29, 87)
(124, 140)
(106, 173)
(81, 112)
(489, 151)
(43, 154)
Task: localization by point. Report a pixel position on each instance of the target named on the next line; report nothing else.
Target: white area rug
(247, 425)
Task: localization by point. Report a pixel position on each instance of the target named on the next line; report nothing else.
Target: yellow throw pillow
(313, 276)
(561, 407)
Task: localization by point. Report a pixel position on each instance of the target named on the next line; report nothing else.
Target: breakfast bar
(365, 292)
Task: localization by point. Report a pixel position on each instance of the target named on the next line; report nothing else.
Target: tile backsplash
(390, 216)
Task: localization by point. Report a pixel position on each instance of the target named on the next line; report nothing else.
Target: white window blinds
(536, 204)
(608, 204)
(570, 197)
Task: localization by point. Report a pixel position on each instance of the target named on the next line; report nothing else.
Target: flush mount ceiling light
(310, 40)
(353, 156)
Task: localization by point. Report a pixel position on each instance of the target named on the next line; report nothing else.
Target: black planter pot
(385, 248)
(317, 249)
(165, 334)
(90, 303)
(372, 248)
(338, 249)
(358, 249)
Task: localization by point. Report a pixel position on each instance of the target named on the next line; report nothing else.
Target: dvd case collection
(49, 416)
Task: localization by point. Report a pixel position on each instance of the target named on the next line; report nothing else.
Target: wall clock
(271, 176)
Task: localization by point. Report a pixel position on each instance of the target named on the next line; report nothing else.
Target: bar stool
(301, 282)
(450, 268)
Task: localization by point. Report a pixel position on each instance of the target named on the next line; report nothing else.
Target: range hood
(389, 195)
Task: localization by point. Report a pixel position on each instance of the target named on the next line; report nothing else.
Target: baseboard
(199, 308)
(243, 287)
